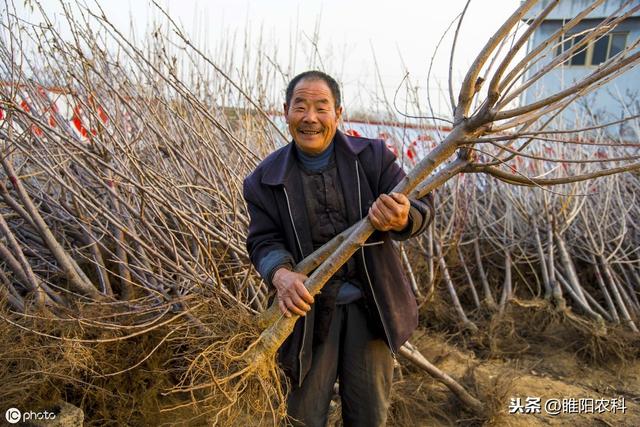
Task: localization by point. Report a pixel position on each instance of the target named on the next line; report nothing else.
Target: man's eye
(322, 110)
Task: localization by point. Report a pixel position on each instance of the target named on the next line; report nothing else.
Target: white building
(618, 98)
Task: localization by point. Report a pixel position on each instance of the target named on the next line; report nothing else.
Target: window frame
(588, 49)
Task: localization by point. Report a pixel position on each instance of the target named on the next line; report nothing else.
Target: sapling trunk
(472, 286)
(452, 291)
(414, 356)
(488, 295)
(506, 286)
(616, 294)
(409, 269)
(67, 264)
(556, 290)
(543, 263)
(607, 297)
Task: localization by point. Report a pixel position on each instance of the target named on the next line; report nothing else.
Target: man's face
(312, 116)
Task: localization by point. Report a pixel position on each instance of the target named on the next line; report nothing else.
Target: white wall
(606, 101)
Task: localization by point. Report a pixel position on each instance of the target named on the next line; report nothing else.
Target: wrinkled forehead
(312, 90)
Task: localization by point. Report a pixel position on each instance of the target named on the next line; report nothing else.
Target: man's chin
(310, 145)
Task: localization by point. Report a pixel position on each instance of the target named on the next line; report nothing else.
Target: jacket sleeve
(422, 210)
(265, 240)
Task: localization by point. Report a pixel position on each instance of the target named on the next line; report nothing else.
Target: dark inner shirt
(327, 214)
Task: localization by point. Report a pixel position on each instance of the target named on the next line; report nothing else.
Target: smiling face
(312, 116)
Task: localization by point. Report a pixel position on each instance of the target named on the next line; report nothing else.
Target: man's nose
(311, 116)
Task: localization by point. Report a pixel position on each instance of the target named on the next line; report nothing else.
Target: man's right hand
(292, 295)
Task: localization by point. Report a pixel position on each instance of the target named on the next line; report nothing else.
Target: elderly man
(300, 197)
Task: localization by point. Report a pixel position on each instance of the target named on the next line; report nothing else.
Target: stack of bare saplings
(124, 277)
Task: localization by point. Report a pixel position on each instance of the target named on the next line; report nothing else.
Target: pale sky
(401, 33)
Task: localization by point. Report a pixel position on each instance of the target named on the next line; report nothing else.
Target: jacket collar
(280, 169)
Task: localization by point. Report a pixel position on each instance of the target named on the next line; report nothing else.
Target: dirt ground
(529, 353)
(551, 370)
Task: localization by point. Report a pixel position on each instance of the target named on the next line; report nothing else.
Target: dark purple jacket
(279, 224)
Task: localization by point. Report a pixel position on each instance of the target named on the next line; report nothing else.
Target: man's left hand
(390, 212)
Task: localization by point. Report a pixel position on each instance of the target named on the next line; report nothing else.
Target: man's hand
(390, 212)
(292, 295)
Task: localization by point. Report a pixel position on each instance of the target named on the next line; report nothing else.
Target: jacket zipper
(295, 232)
(364, 263)
(304, 319)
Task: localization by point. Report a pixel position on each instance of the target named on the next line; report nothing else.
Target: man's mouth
(309, 131)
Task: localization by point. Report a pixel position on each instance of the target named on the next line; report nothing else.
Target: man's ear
(339, 113)
(285, 107)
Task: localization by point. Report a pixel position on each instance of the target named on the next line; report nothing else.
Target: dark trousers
(362, 362)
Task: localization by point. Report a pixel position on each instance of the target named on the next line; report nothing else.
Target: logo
(13, 415)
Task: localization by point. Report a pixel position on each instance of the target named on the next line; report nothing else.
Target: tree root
(414, 356)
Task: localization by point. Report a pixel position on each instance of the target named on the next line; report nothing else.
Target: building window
(596, 52)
